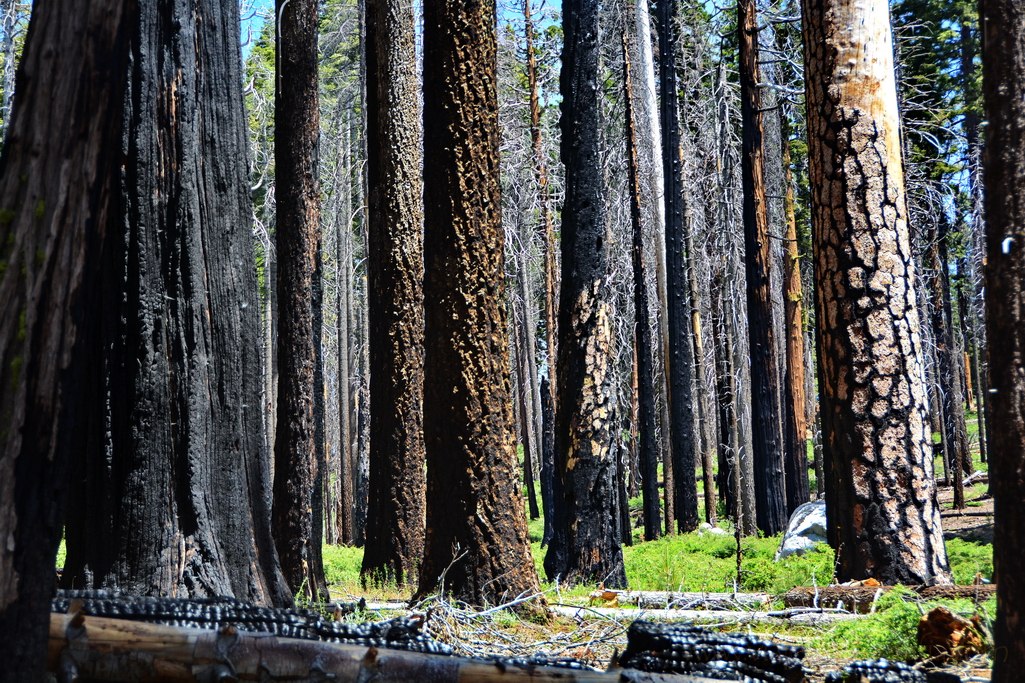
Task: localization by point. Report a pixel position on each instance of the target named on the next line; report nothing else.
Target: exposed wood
(861, 598)
(100, 649)
(585, 546)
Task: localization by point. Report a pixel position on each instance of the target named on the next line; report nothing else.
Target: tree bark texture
(645, 345)
(1003, 63)
(680, 359)
(174, 487)
(297, 130)
(770, 484)
(585, 547)
(58, 192)
(795, 428)
(395, 516)
(546, 456)
(955, 435)
(881, 506)
(476, 539)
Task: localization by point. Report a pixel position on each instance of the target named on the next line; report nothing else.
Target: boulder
(807, 528)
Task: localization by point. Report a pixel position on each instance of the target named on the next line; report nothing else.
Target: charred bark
(883, 517)
(645, 346)
(476, 539)
(175, 481)
(585, 547)
(769, 481)
(58, 192)
(680, 359)
(1003, 63)
(395, 515)
(297, 130)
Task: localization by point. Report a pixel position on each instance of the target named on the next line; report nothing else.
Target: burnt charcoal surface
(675, 648)
(884, 671)
(403, 633)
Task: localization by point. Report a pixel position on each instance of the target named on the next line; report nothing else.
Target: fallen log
(809, 616)
(861, 598)
(679, 600)
(104, 649)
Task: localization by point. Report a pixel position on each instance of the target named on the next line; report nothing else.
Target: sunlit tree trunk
(585, 546)
(883, 517)
(476, 539)
(769, 481)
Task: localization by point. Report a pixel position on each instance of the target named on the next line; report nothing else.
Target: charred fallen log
(884, 671)
(402, 633)
(861, 598)
(673, 648)
(103, 649)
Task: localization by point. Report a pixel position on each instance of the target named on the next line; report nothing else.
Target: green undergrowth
(892, 631)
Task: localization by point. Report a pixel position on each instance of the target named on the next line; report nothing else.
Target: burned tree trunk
(680, 359)
(175, 481)
(585, 547)
(1003, 25)
(297, 130)
(395, 515)
(645, 345)
(770, 494)
(58, 192)
(476, 539)
(883, 517)
(795, 451)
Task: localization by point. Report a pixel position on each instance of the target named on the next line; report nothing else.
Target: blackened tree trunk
(476, 538)
(795, 440)
(680, 359)
(173, 496)
(58, 192)
(770, 493)
(1003, 63)
(551, 278)
(547, 459)
(645, 346)
(882, 514)
(297, 130)
(585, 547)
(395, 515)
(955, 436)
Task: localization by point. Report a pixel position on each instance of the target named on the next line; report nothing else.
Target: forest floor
(706, 562)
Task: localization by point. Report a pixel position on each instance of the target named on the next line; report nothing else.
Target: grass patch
(968, 558)
(892, 632)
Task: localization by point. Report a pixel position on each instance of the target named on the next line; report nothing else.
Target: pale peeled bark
(883, 516)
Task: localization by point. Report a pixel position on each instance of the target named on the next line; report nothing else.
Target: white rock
(806, 529)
